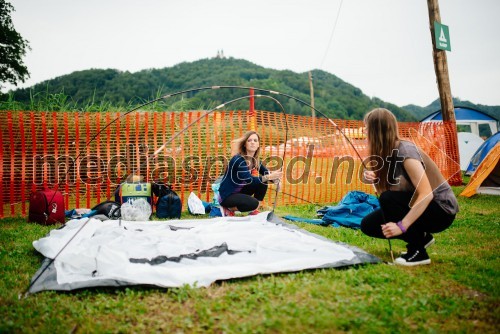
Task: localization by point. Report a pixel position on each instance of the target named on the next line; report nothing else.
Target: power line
(331, 35)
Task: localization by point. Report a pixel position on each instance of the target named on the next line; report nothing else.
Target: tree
(12, 48)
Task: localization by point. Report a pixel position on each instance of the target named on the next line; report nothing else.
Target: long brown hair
(239, 147)
(382, 131)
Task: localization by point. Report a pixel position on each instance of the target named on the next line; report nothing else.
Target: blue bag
(169, 205)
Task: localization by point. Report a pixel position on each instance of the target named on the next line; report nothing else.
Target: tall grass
(7, 102)
(46, 101)
(40, 101)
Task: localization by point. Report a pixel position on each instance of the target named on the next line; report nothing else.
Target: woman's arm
(421, 199)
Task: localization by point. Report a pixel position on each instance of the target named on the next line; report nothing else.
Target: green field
(458, 292)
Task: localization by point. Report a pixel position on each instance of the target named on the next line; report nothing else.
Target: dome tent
(468, 142)
(482, 152)
(467, 116)
(486, 177)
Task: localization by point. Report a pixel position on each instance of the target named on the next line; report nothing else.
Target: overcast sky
(381, 46)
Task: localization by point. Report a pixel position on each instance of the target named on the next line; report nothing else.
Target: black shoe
(414, 257)
(428, 241)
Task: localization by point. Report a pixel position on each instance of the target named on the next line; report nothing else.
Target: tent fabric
(487, 175)
(351, 209)
(461, 114)
(482, 152)
(178, 252)
(468, 144)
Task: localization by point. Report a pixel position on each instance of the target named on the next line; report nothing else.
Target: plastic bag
(137, 210)
(195, 205)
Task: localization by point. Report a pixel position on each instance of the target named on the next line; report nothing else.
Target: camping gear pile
(134, 201)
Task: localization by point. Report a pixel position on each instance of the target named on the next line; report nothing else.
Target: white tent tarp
(177, 252)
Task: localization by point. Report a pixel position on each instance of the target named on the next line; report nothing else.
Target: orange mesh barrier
(320, 166)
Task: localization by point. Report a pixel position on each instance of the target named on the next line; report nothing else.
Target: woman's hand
(370, 177)
(391, 230)
(276, 175)
(273, 176)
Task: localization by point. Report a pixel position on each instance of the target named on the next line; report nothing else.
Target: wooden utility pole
(313, 113)
(441, 66)
(443, 80)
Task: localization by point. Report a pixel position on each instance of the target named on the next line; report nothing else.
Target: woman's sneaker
(226, 212)
(254, 212)
(414, 257)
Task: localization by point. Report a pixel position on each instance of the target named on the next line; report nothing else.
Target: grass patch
(458, 292)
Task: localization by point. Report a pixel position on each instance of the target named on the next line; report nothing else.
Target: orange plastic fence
(45, 149)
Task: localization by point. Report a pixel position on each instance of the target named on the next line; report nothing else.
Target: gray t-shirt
(443, 195)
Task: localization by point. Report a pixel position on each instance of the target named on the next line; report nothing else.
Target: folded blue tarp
(349, 212)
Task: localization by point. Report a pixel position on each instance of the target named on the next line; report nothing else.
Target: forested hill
(109, 87)
(333, 97)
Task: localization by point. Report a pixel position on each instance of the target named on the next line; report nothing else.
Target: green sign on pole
(442, 36)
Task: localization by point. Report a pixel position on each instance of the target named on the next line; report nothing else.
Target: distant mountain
(333, 97)
(87, 89)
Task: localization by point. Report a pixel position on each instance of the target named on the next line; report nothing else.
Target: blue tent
(467, 116)
(482, 152)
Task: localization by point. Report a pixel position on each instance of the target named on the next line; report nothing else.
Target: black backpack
(109, 209)
(168, 203)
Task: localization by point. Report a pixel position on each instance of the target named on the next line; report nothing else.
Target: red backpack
(47, 207)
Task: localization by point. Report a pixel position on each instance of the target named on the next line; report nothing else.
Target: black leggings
(394, 205)
(248, 198)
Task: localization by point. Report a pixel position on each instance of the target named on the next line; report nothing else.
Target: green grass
(458, 292)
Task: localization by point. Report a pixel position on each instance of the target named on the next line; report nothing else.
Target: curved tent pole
(26, 293)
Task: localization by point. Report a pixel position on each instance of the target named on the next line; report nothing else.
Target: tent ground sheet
(177, 252)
